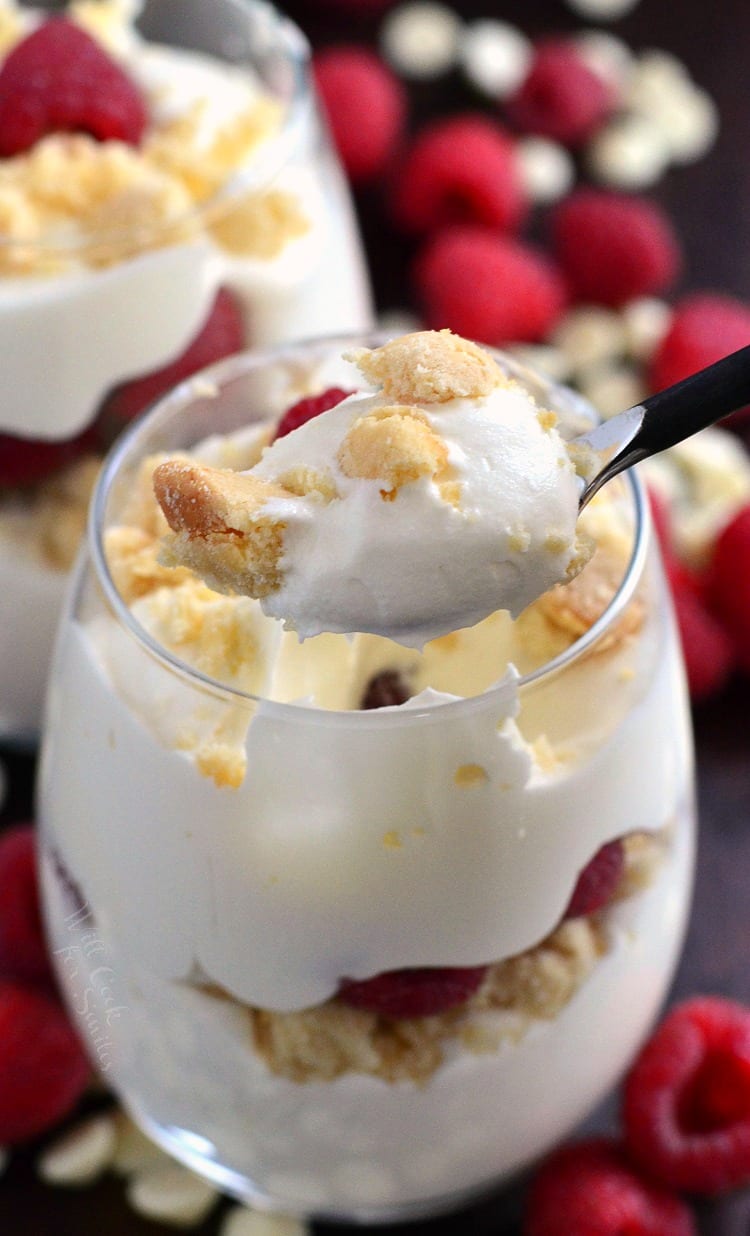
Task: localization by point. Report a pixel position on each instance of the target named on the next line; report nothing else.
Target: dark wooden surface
(711, 205)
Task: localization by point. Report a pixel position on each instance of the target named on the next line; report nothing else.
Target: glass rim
(273, 154)
(233, 367)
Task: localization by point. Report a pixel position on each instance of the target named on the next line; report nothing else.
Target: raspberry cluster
(508, 250)
(462, 189)
(686, 1129)
(712, 604)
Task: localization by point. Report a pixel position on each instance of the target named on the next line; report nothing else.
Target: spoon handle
(666, 418)
(674, 414)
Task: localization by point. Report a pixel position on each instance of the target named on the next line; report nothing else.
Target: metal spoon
(660, 421)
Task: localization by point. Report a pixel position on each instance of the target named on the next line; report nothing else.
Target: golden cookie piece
(218, 526)
(132, 557)
(571, 609)
(394, 445)
(324, 1042)
(261, 225)
(430, 367)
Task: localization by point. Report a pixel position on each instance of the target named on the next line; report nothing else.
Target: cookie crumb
(468, 775)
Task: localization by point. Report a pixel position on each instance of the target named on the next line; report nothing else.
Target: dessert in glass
(168, 196)
(359, 926)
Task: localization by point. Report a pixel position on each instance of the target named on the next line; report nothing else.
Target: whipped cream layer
(356, 843)
(447, 831)
(409, 513)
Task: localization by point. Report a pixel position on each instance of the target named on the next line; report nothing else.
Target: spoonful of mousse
(419, 506)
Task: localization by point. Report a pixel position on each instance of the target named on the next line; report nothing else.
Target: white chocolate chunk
(590, 336)
(689, 125)
(608, 56)
(656, 78)
(602, 10)
(543, 358)
(171, 1194)
(81, 1155)
(495, 57)
(705, 480)
(613, 389)
(244, 1222)
(421, 39)
(647, 321)
(547, 170)
(629, 153)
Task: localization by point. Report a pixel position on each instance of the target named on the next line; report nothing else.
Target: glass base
(195, 1152)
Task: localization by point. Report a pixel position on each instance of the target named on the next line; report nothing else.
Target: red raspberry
(24, 461)
(662, 520)
(679, 576)
(614, 247)
(366, 106)
(43, 1068)
(388, 689)
(488, 287)
(412, 993)
(704, 328)
(462, 170)
(590, 1189)
(598, 882)
(222, 335)
(728, 582)
(59, 79)
(23, 950)
(706, 647)
(307, 409)
(687, 1098)
(561, 97)
(682, 578)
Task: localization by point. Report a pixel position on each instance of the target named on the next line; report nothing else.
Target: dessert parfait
(167, 197)
(360, 923)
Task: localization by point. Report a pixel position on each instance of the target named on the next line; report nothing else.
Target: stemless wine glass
(252, 242)
(235, 837)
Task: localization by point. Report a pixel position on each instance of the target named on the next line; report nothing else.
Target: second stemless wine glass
(228, 226)
(232, 835)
